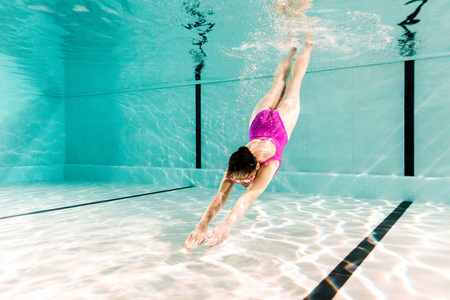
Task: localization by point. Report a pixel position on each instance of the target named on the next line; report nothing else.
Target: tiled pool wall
(351, 122)
(395, 188)
(31, 173)
(32, 115)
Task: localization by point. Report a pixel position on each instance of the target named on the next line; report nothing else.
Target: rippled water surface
(282, 248)
(44, 41)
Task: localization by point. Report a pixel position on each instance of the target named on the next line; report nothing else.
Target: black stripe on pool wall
(409, 118)
(91, 203)
(328, 288)
(198, 125)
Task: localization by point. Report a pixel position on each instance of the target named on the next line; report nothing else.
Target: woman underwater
(255, 164)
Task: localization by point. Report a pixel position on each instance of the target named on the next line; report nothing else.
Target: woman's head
(242, 163)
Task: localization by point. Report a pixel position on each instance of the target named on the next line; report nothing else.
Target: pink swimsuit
(268, 125)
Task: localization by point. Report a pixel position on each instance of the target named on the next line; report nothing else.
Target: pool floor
(285, 245)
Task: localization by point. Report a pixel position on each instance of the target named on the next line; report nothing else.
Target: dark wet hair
(241, 162)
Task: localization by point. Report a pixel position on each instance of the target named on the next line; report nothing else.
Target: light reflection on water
(282, 248)
(127, 42)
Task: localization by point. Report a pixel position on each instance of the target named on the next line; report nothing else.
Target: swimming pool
(286, 244)
(117, 119)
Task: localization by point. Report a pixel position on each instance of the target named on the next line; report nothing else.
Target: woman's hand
(197, 237)
(218, 235)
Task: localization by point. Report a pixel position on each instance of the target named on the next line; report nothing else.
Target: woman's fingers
(194, 239)
(213, 242)
(214, 239)
(193, 243)
(190, 242)
(211, 239)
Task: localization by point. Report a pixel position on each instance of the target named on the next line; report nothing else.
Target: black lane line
(328, 288)
(409, 118)
(91, 203)
(198, 125)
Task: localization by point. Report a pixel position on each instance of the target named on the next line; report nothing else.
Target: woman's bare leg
(304, 4)
(273, 97)
(289, 106)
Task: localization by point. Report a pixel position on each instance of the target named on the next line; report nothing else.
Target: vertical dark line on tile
(409, 118)
(198, 124)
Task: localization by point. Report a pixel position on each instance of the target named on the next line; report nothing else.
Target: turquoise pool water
(115, 85)
(98, 115)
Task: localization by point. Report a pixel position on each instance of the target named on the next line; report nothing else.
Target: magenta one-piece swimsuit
(268, 125)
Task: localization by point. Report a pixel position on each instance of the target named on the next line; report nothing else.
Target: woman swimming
(255, 164)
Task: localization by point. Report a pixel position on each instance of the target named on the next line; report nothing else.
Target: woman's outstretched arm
(198, 236)
(220, 233)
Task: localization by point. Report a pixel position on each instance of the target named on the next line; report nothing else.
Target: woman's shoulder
(262, 149)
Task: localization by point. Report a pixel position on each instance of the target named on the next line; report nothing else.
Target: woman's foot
(309, 41)
(280, 8)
